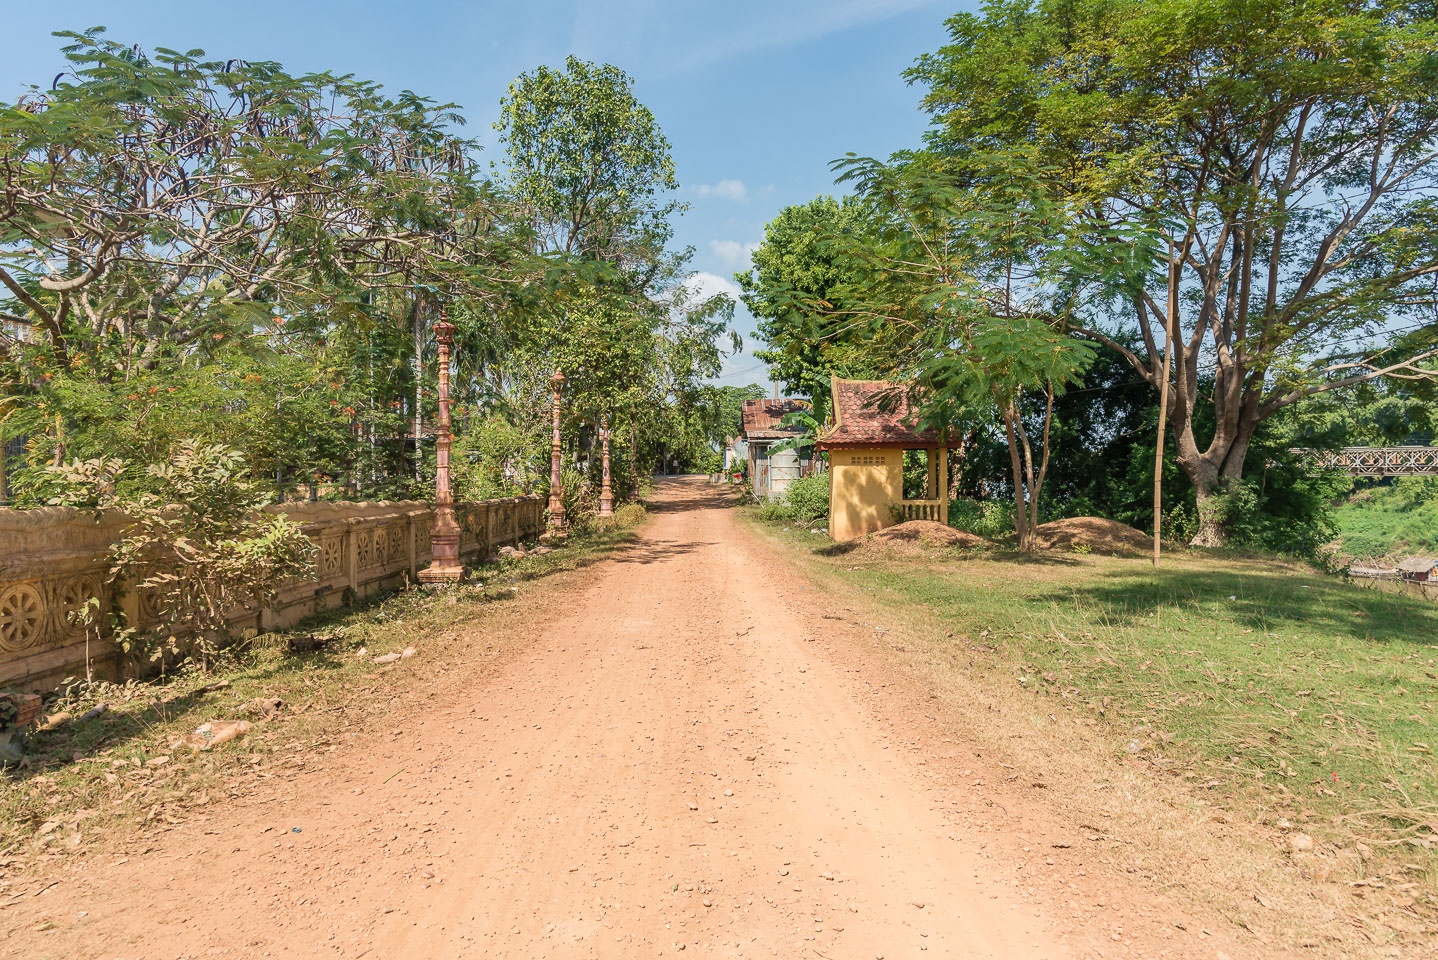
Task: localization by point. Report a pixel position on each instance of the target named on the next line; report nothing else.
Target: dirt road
(676, 765)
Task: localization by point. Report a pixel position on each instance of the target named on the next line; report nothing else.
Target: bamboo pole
(1168, 325)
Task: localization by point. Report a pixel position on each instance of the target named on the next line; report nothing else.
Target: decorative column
(606, 495)
(556, 482)
(444, 565)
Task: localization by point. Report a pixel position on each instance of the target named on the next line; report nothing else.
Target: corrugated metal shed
(761, 418)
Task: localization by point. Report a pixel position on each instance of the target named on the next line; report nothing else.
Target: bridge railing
(1377, 461)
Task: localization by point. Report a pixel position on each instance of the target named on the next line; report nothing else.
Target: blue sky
(756, 97)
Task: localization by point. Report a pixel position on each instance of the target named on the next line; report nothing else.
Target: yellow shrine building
(871, 430)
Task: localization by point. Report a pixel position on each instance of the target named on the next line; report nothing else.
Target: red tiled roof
(873, 413)
(761, 418)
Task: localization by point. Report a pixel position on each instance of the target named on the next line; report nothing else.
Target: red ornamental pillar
(606, 495)
(444, 565)
(556, 482)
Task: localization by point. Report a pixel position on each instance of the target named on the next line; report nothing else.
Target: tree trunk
(1210, 525)
(417, 332)
(1021, 513)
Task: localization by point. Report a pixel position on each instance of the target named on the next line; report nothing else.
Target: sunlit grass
(1295, 699)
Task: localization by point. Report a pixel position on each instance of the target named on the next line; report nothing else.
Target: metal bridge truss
(1378, 461)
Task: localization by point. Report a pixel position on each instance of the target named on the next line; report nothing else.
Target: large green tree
(590, 166)
(792, 290)
(167, 218)
(592, 172)
(1269, 170)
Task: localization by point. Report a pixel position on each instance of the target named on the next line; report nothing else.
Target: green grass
(1390, 521)
(1283, 694)
(97, 780)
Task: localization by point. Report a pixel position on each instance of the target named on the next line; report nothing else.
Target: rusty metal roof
(761, 418)
(873, 413)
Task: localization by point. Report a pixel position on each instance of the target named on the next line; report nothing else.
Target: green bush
(625, 517)
(776, 510)
(580, 499)
(486, 458)
(808, 498)
(804, 501)
(197, 545)
(987, 518)
(1241, 510)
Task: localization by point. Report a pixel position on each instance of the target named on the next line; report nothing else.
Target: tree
(792, 290)
(591, 171)
(727, 404)
(1269, 170)
(956, 281)
(590, 166)
(166, 215)
(153, 203)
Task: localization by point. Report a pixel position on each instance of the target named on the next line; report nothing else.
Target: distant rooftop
(761, 418)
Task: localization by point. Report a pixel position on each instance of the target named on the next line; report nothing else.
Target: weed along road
(683, 759)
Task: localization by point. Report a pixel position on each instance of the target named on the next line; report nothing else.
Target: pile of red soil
(1096, 533)
(915, 537)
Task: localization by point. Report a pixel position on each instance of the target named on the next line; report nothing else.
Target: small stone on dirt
(1300, 842)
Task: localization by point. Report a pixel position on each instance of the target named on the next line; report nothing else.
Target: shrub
(776, 510)
(1242, 511)
(486, 458)
(808, 498)
(804, 501)
(198, 546)
(625, 517)
(710, 461)
(987, 518)
(580, 499)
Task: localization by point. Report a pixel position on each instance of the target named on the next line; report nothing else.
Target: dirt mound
(1096, 533)
(918, 536)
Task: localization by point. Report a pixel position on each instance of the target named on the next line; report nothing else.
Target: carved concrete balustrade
(52, 560)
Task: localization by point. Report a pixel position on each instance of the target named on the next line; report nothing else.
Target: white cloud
(724, 190)
(706, 285)
(733, 254)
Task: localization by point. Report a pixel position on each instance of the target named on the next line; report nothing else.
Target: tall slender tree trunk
(417, 333)
(1021, 513)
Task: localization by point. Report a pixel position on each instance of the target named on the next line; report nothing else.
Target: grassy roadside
(106, 781)
(1292, 701)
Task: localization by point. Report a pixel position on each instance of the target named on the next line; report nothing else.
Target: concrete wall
(864, 486)
(53, 559)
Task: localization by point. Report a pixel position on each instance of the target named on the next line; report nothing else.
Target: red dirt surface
(685, 760)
